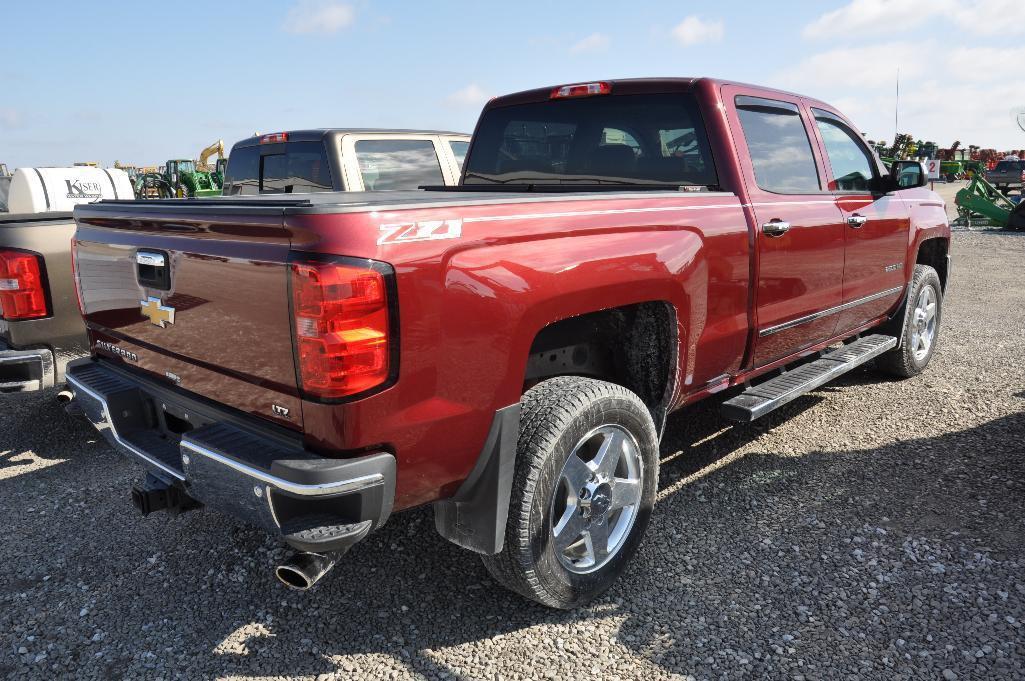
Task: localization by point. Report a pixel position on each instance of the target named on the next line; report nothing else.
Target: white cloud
(872, 66)
(987, 63)
(10, 118)
(694, 30)
(873, 14)
(988, 17)
(471, 95)
(865, 17)
(596, 42)
(319, 16)
(941, 99)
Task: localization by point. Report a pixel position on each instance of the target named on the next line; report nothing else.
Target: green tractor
(179, 179)
(219, 172)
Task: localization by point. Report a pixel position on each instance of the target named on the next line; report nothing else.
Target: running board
(759, 400)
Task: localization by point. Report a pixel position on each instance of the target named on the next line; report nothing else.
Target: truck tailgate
(200, 302)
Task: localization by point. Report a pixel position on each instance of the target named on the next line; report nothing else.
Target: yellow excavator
(217, 171)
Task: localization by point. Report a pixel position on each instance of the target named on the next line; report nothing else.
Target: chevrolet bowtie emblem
(157, 313)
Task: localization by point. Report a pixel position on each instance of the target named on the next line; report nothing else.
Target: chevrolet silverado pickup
(41, 328)
(507, 350)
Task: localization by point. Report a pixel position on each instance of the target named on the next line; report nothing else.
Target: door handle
(775, 228)
(856, 221)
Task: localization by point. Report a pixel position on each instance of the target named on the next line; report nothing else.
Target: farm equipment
(3, 170)
(179, 178)
(903, 148)
(219, 171)
(980, 198)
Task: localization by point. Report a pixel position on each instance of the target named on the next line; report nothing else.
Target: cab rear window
(290, 168)
(625, 139)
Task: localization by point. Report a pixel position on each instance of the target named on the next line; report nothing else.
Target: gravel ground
(872, 529)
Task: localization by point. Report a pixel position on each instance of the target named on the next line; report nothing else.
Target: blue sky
(142, 82)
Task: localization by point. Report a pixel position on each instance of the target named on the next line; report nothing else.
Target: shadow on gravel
(788, 578)
(37, 423)
(735, 560)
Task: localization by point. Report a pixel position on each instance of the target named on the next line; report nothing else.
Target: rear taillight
(22, 286)
(342, 330)
(274, 138)
(581, 90)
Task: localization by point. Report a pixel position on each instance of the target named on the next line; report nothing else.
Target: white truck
(41, 328)
(344, 159)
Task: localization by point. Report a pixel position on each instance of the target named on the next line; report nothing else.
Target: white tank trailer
(46, 190)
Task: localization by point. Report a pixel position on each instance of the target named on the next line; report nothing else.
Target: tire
(918, 335)
(566, 418)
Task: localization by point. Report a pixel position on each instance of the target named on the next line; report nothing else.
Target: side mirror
(908, 175)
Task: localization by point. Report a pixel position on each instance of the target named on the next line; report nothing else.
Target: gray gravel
(873, 529)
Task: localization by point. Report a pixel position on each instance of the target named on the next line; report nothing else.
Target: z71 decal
(429, 230)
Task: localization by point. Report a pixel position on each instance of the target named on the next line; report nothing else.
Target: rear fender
(511, 291)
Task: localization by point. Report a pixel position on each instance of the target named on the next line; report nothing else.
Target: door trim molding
(825, 313)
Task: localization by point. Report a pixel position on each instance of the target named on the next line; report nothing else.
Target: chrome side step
(759, 400)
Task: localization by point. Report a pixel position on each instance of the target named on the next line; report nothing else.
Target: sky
(142, 82)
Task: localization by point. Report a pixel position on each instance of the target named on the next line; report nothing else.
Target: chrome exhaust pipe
(303, 570)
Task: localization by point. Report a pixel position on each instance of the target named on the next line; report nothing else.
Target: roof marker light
(274, 138)
(581, 90)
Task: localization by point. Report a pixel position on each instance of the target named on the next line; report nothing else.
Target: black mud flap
(475, 517)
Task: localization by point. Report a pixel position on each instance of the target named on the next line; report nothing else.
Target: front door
(800, 234)
(877, 225)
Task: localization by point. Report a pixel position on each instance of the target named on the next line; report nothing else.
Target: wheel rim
(597, 498)
(923, 323)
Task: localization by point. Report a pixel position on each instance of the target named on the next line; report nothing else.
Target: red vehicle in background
(507, 350)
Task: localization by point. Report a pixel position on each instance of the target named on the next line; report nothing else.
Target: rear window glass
(779, 146)
(290, 168)
(1006, 166)
(398, 164)
(657, 138)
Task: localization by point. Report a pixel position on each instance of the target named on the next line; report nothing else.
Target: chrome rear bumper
(25, 370)
(248, 470)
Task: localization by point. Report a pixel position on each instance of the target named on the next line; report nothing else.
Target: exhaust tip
(292, 577)
(65, 396)
(303, 570)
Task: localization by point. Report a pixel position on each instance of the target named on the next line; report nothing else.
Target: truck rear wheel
(921, 326)
(585, 483)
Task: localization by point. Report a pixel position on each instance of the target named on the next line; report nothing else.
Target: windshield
(628, 139)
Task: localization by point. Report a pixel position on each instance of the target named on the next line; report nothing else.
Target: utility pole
(896, 108)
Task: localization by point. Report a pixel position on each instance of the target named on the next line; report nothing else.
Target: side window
(398, 164)
(850, 160)
(459, 150)
(243, 173)
(779, 146)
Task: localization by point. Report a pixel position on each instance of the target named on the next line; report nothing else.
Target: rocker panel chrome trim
(825, 313)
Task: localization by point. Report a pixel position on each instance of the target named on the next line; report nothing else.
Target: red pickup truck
(508, 349)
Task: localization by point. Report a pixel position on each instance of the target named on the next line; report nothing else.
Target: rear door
(386, 162)
(799, 239)
(877, 224)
